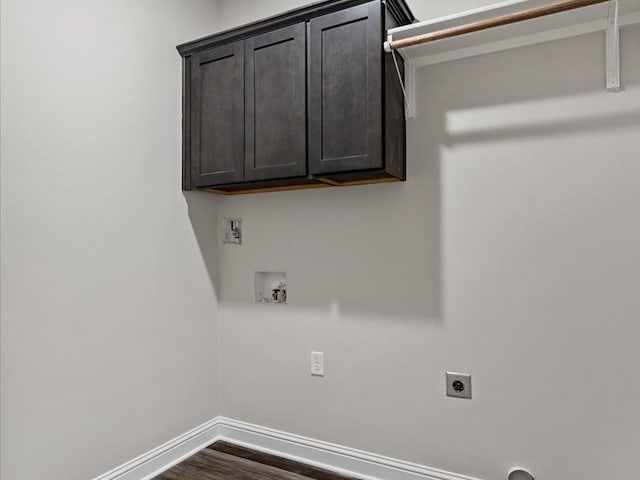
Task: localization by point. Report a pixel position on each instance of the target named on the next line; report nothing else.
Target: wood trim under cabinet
(265, 189)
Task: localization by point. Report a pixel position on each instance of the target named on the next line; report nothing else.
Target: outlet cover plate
(317, 364)
(459, 385)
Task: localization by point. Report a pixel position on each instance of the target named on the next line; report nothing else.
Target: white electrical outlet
(317, 364)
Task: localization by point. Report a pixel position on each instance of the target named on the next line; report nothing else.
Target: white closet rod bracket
(613, 48)
(409, 82)
(387, 44)
(410, 75)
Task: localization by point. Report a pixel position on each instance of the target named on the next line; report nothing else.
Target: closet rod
(492, 22)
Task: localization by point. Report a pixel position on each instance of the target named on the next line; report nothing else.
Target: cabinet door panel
(217, 116)
(275, 118)
(345, 106)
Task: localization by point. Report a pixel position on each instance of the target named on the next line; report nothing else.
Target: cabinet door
(217, 116)
(345, 97)
(275, 109)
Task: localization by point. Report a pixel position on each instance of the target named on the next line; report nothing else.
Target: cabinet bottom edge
(317, 182)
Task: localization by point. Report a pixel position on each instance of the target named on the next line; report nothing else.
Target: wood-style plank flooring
(225, 461)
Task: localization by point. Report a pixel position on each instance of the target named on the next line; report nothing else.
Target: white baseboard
(161, 458)
(356, 463)
(338, 458)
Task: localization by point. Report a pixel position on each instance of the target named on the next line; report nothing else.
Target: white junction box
(232, 231)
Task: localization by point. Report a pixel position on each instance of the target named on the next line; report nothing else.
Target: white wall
(109, 321)
(512, 252)
(237, 12)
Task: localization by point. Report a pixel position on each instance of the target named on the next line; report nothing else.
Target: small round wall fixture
(520, 474)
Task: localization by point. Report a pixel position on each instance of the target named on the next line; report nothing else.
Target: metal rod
(492, 22)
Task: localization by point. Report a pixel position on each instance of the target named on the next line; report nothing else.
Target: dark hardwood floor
(225, 461)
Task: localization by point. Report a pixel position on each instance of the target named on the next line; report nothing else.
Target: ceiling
(427, 9)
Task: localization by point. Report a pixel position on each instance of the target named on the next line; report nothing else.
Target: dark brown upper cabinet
(217, 116)
(307, 98)
(276, 104)
(345, 96)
